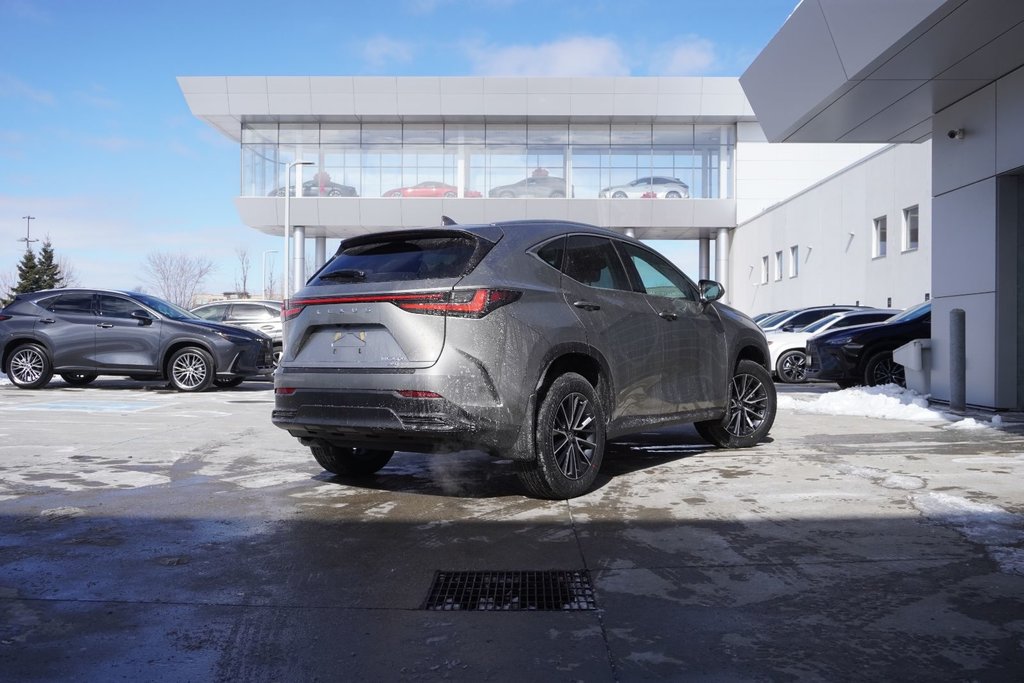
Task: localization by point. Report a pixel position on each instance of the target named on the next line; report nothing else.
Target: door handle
(669, 315)
(586, 305)
(48, 321)
(105, 325)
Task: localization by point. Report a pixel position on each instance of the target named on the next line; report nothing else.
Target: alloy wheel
(27, 366)
(573, 436)
(189, 370)
(793, 367)
(748, 405)
(888, 371)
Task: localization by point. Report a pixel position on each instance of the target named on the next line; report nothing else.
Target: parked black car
(863, 354)
(318, 188)
(82, 333)
(531, 340)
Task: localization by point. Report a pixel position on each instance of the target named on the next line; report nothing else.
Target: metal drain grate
(556, 591)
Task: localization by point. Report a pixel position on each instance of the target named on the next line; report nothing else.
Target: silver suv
(533, 340)
(262, 315)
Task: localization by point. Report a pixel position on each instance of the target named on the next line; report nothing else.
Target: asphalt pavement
(151, 535)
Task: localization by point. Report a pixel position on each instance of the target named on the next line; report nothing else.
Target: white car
(656, 187)
(787, 349)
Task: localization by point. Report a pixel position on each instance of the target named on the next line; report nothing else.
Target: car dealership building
(897, 181)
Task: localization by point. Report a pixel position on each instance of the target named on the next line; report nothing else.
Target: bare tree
(177, 277)
(270, 291)
(68, 272)
(242, 284)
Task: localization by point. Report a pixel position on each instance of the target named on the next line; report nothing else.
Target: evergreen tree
(50, 275)
(28, 274)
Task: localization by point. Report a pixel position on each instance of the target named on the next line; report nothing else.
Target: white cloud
(578, 56)
(689, 56)
(381, 51)
(17, 89)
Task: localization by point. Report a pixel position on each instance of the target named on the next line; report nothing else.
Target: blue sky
(97, 143)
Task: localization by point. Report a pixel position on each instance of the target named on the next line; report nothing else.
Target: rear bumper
(391, 421)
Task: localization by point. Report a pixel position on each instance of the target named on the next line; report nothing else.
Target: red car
(429, 188)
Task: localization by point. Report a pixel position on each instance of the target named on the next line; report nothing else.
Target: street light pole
(27, 239)
(286, 290)
(266, 293)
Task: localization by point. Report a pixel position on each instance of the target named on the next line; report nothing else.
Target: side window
(594, 262)
(251, 312)
(553, 252)
(213, 312)
(71, 303)
(116, 307)
(658, 276)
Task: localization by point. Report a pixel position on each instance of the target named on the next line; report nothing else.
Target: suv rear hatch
(382, 301)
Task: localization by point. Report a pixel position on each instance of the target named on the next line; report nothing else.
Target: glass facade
(491, 160)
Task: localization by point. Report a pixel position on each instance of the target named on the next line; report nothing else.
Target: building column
(320, 251)
(704, 258)
(298, 257)
(722, 261)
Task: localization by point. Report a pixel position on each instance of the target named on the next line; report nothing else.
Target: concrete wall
(977, 231)
(832, 225)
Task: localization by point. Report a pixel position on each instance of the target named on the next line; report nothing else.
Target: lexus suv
(83, 333)
(535, 341)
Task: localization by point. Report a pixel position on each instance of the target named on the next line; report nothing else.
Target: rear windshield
(410, 258)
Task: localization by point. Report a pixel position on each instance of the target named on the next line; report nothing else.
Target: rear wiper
(345, 274)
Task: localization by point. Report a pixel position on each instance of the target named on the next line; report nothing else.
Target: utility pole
(27, 239)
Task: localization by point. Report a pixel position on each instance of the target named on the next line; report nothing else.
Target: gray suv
(532, 340)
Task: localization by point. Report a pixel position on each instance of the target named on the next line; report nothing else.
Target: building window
(764, 270)
(794, 261)
(910, 228)
(879, 240)
(778, 266)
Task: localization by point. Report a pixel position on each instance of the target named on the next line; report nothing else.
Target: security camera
(955, 134)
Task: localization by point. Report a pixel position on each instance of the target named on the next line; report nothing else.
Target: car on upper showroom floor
(548, 187)
(534, 341)
(651, 187)
(788, 349)
(430, 188)
(320, 186)
(262, 315)
(80, 334)
(863, 355)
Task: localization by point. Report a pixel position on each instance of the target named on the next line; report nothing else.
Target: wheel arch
(584, 361)
(182, 344)
(18, 341)
(754, 353)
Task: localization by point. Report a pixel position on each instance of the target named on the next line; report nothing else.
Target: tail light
(5, 317)
(462, 303)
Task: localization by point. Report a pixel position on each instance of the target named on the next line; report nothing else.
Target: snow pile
(969, 424)
(888, 402)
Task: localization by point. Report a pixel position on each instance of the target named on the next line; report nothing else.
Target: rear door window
(71, 303)
(594, 262)
(401, 259)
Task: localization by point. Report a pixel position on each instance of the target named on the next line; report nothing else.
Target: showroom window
(910, 231)
(879, 239)
(794, 260)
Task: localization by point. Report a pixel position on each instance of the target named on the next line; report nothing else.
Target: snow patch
(967, 424)
(887, 402)
(988, 525)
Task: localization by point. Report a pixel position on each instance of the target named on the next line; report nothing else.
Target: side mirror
(142, 316)
(710, 291)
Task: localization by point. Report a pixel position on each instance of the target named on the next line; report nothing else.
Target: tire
(882, 369)
(619, 195)
(792, 367)
(334, 192)
(349, 462)
(78, 379)
(277, 353)
(227, 383)
(672, 194)
(29, 367)
(570, 440)
(450, 195)
(752, 405)
(190, 369)
(557, 195)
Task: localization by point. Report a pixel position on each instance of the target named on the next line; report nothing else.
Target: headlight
(839, 341)
(232, 336)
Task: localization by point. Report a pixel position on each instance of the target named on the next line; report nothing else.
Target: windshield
(912, 313)
(823, 323)
(165, 308)
(772, 319)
